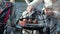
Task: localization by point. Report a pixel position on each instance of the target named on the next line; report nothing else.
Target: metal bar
(40, 31)
(32, 32)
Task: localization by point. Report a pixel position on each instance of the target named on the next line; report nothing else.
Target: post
(13, 17)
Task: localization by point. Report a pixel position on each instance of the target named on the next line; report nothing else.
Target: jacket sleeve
(56, 14)
(27, 1)
(34, 3)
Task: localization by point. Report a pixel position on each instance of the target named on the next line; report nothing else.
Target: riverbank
(19, 0)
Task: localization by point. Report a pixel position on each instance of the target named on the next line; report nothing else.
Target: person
(28, 17)
(29, 9)
(4, 15)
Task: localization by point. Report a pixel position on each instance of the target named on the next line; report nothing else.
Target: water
(20, 7)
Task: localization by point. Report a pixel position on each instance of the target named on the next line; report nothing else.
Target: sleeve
(27, 1)
(34, 3)
(24, 14)
(56, 14)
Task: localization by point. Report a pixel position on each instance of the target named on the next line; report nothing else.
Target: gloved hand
(23, 23)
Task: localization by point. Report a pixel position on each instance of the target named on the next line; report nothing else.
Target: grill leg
(32, 31)
(47, 30)
(41, 31)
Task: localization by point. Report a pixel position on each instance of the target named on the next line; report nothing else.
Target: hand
(29, 20)
(22, 23)
(48, 12)
(30, 8)
(35, 21)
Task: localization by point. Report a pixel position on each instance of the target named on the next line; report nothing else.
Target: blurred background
(21, 6)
